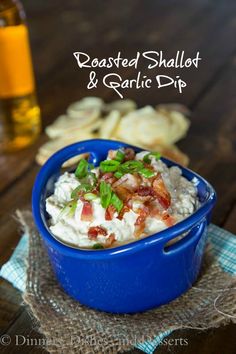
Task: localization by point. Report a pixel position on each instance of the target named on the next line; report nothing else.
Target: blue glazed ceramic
(131, 278)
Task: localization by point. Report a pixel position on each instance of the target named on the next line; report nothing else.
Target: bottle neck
(11, 13)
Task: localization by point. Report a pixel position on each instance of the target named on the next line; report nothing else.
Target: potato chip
(178, 122)
(87, 103)
(94, 126)
(109, 125)
(127, 128)
(177, 107)
(54, 145)
(171, 152)
(123, 106)
(85, 115)
(179, 126)
(41, 159)
(74, 160)
(144, 126)
(64, 123)
(152, 129)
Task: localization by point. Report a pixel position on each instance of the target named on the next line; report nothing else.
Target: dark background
(102, 28)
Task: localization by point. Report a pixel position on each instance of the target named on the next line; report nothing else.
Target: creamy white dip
(70, 229)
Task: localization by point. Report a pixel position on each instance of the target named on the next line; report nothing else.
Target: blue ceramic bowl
(134, 277)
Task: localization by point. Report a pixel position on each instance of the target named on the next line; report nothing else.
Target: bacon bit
(144, 191)
(123, 193)
(139, 228)
(120, 181)
(143, 200)
(94, 231)
(108, 177)
(109, 213)
(129, 154)
(168, 219)
(110, 240)
(95, 191)
(124, 210)
(112, 154)
(154, 212)
(129, 181)
(162, 193)
(144, 194)
(87, 211)
(147, 165)
(140, 221)
(144, 211)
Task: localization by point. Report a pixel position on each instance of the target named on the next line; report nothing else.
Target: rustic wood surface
(101, 28)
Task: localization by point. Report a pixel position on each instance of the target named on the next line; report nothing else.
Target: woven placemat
(69, 327)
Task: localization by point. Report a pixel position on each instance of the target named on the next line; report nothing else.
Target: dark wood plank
(17, 197)
(212, 341)
(211, 141)
(9, 305)
(24, 336)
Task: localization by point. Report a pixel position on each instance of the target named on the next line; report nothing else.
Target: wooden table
(101, 28)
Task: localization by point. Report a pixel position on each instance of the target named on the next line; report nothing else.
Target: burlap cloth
(69, 327)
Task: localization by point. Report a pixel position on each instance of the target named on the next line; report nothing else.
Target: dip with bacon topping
(128, 197)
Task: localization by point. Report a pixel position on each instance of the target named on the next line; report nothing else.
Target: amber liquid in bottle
(20, 121)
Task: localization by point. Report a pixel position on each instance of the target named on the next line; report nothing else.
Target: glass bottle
(20, 121)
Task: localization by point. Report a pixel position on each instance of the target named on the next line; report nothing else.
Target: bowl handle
(193, 236)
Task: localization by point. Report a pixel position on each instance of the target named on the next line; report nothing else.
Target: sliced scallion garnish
(120, 156)
(109, 165)
(83, 187)
(118, 174)
(131, 166)
(69, 208)
(98, 246)
(82, 169)
(91, 166)
(116, 202)
(145, 172)
(147, 158)
(90, 196)
(92, 177)
(105, 194)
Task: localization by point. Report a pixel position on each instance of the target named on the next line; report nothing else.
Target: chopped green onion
(145, 172)
(90, 196)
(116, 202)
(92, 177)
(69, 208)
(72, 205)
(97, 246)
(120, 156)
(109, 165)
(105, 194)
(82, 169)
(131, 166)
(83, 187)
(147, 159)
(118, 174)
